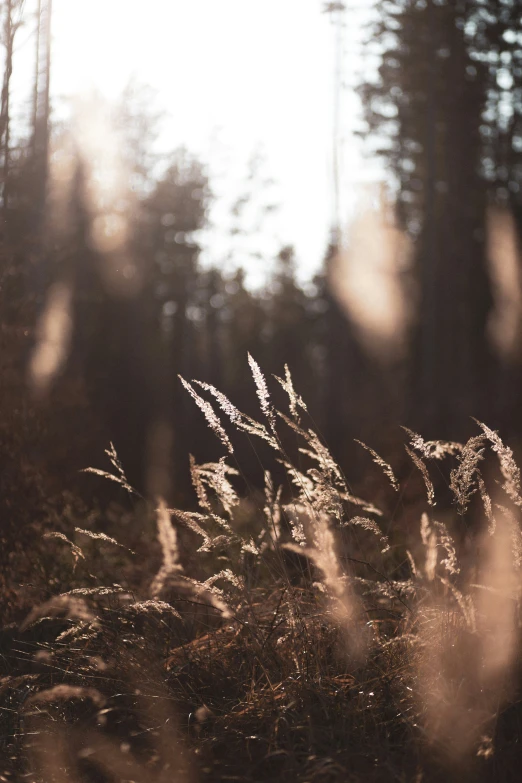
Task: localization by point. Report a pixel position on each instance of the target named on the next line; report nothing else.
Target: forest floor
(299, 633)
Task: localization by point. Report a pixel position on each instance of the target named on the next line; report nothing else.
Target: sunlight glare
(365, 278)
(254, 76)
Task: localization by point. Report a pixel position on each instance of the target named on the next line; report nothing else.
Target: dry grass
(281, 635)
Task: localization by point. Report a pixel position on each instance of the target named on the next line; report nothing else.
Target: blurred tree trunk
(429, 104)
(9, 32)
(451, 359)
(41, 110)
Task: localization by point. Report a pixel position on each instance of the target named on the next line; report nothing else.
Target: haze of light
(235, 77)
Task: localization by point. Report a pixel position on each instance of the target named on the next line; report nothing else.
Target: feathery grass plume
(211, 593)
(342, 601)
(295, 513)
(317, 503)
(391, 589)
(325, 486)
(252, 427)
(115, 461)
(445, 541)
(304, 484)
(316, 490)
(464, 602)
(214, 475)
(171, 568)
(235, 415)
(372, 527)
(96, 591)
(101, 537)
(272, 509)
(430, 492)
(243, 422)
(411, 561)
(295, 400)
(111, 477)
(429, 539)
(151, 606)
(250, 546)
(320, 453)
(169, 547)
(73, 631)
(360, 503)
(222, 523)
(463, 478)
(216, 542)
(229, 576)
(508, 467)
(488, 506)
(64, 692)
(121, 478)
(292, 424)
(321, 490)
(262, 392)
(67, 606)
(326, 496)
(386, 468)
(192, 519)
(75, 550)
(198, 485)
(210, 415)
(432, 449)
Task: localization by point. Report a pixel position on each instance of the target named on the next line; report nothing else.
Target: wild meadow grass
(299, 633)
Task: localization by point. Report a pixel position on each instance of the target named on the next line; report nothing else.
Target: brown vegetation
(304, 634)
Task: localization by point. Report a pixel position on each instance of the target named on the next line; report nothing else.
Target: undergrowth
(300, 633)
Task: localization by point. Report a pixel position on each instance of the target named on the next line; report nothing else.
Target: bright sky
(235, 77)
